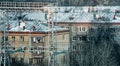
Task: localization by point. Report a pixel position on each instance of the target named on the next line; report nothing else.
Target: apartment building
(80, 19)
(34, 44)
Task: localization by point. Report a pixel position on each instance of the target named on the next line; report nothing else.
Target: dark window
(83, 28)
(74, 37)
(80, 38)
(13, 38)
(68, 27)
(13, 60)
(84, 38)
(80, 29)
(30, 61)
(80, 47)
(74, 47)
(22, 38)
(21, 60)
(40, 39)
(6, 38)
(39, 61)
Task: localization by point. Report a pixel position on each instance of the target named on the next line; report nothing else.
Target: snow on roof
(28, 26)
(83, 14)
(63, 14)
(36, 15)
(73, 14)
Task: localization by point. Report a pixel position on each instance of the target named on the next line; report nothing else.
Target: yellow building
(34, 47)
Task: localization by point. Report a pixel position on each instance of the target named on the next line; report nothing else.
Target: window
(37, 39)
(37, 50)
(21, 60)
(90, 38)
(30, 61)
(13, 60)
(21, 38)
(73, 29)
(38, 61)
(13, 38)
(82, 28)
(80, 47)
(74, 47)
(33, 39)
(74, 38)
(64, 37)
(84, 38)
(67, 27)
(6, 38)
(65, 59)
(80, 38)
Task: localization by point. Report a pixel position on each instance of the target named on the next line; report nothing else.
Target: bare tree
(99, 48)
(101, 45)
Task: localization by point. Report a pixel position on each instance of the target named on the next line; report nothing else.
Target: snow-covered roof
(73, 14)
(37, 15)
(77, 14)
(61, 14)
(28, 26)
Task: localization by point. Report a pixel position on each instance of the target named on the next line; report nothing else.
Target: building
(33, 43)
(79, 20)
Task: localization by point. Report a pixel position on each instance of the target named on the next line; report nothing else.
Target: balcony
(82, 33)
(40, 55)
(38, 44)
(80, 42)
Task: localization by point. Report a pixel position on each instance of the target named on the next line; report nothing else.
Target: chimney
(22, 25)
(114, 17)
(89, 9)
(34, 28)
(8, 27)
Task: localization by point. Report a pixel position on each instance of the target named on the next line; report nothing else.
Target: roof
(28, 26)
(80, 14)
(37, 20)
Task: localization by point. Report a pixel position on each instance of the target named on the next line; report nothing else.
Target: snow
(40, 27)
(82, 14)
(36, 15)
(61, 14)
